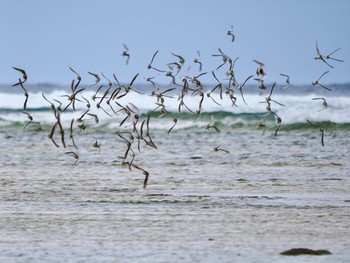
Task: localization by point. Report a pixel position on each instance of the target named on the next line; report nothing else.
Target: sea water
(261, 196)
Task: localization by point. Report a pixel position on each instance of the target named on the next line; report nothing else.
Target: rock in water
(305, 251)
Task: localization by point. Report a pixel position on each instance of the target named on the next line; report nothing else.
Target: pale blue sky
(46, 37)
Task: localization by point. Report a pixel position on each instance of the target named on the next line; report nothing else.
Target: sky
(47, 37)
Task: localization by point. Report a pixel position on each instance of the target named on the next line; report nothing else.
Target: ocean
(231, 183)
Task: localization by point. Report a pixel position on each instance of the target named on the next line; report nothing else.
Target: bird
(25, 94)
(51, 135)
(217, 148)
(240, 88)
(97, 78)
(75, 156)
(144, 172)
(287, 81)
(97, 145)
(230, 33)
(78, 76)
(324, 103)
(24, 74)
(150, 80)
(126, 54)
(278, 120)
(260, 69)
(72, 98)
(330, 54)
(268, 99)
(210, 125)
(319, 56)
(321, 131)
(316, 82)
(150, 66)
(224, 57)
(30, 118)
(172, 127)
(197, 60)
(71, 134)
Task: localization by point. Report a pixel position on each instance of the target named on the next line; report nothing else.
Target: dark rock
(305, 251)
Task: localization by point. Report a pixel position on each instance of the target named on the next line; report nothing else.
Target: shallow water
(269, 194)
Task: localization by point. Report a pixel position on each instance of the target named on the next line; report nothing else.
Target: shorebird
(287, 81)
(321, 131)
(78, 76)
(61, 130)
(278, 120)
(324, 103)
(210, 125)
(128, 87)
(97, 78)
(260, 69)
(72, 98)
(210, 96)
(25, 94)
(24, 74)
(97, 145)
(110, 84)
(94, 97)
(30, 118)
(261, 123)
(240, 88)
(225, 58)
(98, 105)
(230, 33)
(150, 79)
(231, 74)
(51, 134)
(181, 59)
(170, 74)
(262, 86)
(147, 133)
(160, 96)
(80, 119)
(71, 134)
(218, 86)
(53, 108)
(319, 56)
(197, 60)
(95, 117)
(172, 127)
(150, 66)
(88, 105)
(217, 148)
(329, 56)
(82, 127)
(144, 172)
(316, 82)
(126, 53)
(268, 99)
(75, 156)
(231, 94)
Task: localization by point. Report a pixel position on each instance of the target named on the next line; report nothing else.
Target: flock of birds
(183, 86)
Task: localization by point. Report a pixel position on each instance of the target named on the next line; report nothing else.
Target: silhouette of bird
(316, 82)
(319, 56)
(126, 54)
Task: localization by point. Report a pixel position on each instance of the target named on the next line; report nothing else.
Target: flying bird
(329, 56)
(24, 74)
(126, 53)
(316, 82)
(319, 56)
(230, 33)
(321, 131)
